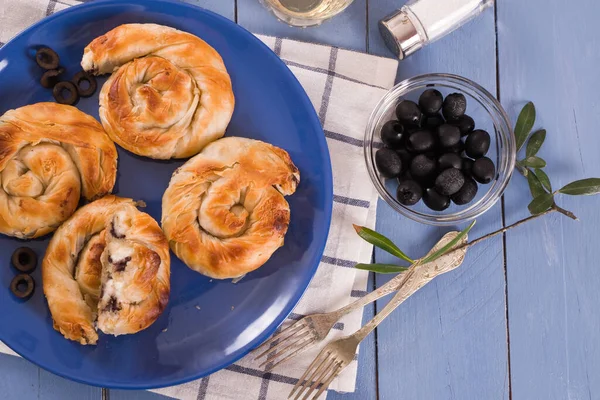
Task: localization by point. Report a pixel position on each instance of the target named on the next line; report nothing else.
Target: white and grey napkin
(344, 87)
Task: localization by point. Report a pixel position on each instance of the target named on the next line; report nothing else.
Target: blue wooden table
(519, 319)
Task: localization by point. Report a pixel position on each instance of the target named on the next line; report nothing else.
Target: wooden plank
(21, 379)
(449, 340)
(548, 53)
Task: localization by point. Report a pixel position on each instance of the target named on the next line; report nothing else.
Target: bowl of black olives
(439, 149)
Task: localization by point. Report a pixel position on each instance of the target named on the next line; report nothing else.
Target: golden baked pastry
(169, 94)
(224, 212)
(109, 265)
(50, 155)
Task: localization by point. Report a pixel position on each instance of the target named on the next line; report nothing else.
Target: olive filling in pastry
(106, 267)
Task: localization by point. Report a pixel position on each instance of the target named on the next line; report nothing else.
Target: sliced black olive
(65, 92)
(85, 83)
(22, 286)
(50, 77)
(24, 259)
(47, 58)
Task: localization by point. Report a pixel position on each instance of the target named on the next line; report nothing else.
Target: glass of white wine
(305, 13)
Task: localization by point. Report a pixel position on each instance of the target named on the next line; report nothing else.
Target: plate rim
(327, 178)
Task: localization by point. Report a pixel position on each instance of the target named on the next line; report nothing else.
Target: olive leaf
(381, 268)
(524, 124)
(541, 203)
(534, 162)
(535, 185)
(535, 142)
(545, 181)
(582, 187)
(377, 239)
(434, 256)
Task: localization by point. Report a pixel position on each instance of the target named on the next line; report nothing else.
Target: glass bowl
(488, 115)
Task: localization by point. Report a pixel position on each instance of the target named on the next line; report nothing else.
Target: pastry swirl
(224, 212)
(108, 265)
(169, 94)
(50, 155)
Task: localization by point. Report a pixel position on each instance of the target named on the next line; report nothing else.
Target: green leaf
(521, 168)
(541, 203)
(535, 186)
(541, 175)
(524, 124)
(535, 142)
(534, 162)
(583, 187)
(448, 247)
(381, 268)
(377, 239)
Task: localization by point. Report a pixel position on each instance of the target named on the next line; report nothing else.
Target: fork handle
(390, 287)
(417, 276)
(395, 283)
(412, 281)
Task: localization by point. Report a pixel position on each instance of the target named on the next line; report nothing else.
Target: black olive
(448, 135)
(47, 58)
(431, 101)
(420, 142)
(435, 201)
(405, 156)
(466, 194)
(454, 106)
(432, 122)
(405, 176)
(65, 92)
(483, 170)
(457, 148)
(392, 134)
(388, 163)
(24, 259)
(85, 83)
(408, 112)
(22, 286)
(422, 167)
(449, 160)
(465, 124)
(50, 78)
(467, 166)
(477, 143)
(409, 192)
(449, 181)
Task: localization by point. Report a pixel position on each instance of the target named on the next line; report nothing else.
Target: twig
(551, 210)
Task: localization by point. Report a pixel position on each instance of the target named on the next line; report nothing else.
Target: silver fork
(311, 329)
(338, 354)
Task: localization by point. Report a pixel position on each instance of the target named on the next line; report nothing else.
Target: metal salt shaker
(420, 22)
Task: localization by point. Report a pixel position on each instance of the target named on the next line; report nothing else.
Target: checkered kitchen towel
(344, 87)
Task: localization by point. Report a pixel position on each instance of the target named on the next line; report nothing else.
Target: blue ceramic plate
(208, 324)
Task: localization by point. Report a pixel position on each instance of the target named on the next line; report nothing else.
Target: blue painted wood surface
(535, 298)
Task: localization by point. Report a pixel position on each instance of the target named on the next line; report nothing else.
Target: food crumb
(232, 307)
(164, 330)
(210, 281)
(197, 307)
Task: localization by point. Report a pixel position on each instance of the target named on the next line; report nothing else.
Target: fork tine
(297, 334)
(301, 347)
(323, 366)
(338, 368)
(298, 324)
(320, 356)
(318, 378)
